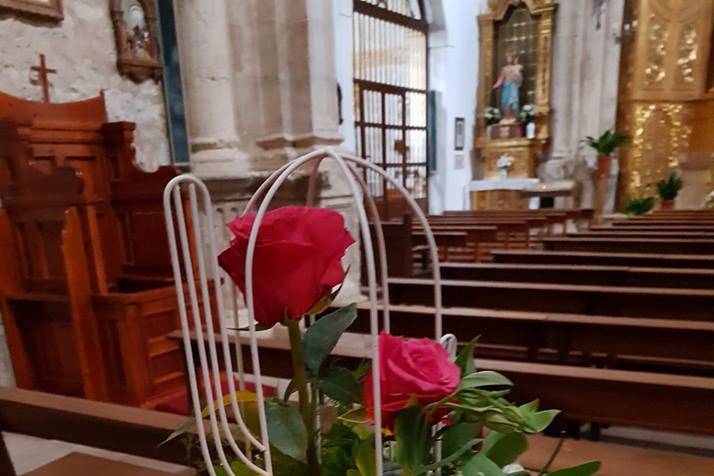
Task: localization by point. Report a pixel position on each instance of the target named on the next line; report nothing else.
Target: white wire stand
(192, 244)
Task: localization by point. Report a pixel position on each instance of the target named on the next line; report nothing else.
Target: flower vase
(503, 174)
(667, 205)
(604, 166)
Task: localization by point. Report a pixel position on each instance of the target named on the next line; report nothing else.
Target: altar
(503, 194)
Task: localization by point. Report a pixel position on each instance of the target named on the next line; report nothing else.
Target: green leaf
(321, 337)
(341, 385)
(485, 378)
(529, 409)
(412, 432)
(504, 448)
(365, 459)
(539, 421)
(465, 359)
(587, 469)
(286, 429)
(457, 436)
(480, 465)
(498, 422)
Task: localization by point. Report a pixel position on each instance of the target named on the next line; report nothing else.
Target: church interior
(526, 183)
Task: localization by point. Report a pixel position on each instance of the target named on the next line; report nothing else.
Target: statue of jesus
(510, 81)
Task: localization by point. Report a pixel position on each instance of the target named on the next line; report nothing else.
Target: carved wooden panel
(671, 49)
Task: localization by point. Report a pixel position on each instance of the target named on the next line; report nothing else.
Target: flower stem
(307, 410)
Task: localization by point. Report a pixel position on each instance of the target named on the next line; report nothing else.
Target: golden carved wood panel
(671, 49)
(498, 200)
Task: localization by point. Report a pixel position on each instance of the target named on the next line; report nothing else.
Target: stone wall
(82, 49)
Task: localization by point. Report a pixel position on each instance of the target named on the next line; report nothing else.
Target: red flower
(410, 369)
(297, 259)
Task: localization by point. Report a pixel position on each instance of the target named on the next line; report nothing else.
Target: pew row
(665, 303)
(604, 259)
(581, 274)
(632, 245)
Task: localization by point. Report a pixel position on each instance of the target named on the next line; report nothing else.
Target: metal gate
(390, 78)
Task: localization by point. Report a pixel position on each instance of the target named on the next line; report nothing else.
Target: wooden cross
(42, 77)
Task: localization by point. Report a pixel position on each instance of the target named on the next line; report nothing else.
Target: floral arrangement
(492, 115)
(527, 114)
(428, 399)
(504, 162)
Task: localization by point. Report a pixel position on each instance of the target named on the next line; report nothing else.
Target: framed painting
(47, 9)
(459, 133)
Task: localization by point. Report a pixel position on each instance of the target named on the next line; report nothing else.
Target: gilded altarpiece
(522, 28)
(664, 96)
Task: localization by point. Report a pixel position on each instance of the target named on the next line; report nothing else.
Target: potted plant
(640, 205)
(668, 189)
(605, 146)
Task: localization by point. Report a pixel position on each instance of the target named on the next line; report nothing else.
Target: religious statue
(510, 81)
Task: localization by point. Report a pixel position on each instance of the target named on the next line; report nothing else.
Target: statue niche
(514, 84)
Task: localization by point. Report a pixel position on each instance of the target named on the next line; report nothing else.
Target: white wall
(453, 73)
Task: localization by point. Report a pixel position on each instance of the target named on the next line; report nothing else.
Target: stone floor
(29, 453)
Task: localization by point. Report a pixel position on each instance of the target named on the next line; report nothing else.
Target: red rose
(410, 369)
(297, 259)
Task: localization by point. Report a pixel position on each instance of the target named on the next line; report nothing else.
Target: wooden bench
(581, 274)
(621, 397)
(640, 233)
(632, 245)
(606, 259)
(560, 337)
(107, 426)
(684, 304)
(673, 402)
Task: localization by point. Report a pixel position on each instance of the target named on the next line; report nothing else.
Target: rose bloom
(297, 259)
(410, 369)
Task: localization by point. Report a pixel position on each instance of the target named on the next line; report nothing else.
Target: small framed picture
(459, 133)
(47, 9)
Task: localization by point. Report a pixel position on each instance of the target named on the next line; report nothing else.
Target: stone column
(207, 66)
(298, 78)
(584, 88)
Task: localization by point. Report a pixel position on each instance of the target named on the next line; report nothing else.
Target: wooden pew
(446, 241)
(621, 397)
(663, 222)
(107, 426)
(684, 304)
(479, 239)
(605, 259)
(581, 274)
(640, 233)
(632, 245)
(678, 403)
(645, 227)
(558, 337)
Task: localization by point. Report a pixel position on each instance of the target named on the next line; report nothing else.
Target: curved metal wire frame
(347, 164)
